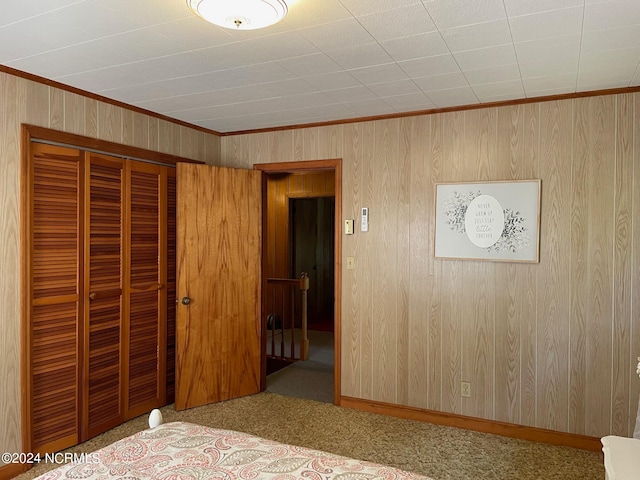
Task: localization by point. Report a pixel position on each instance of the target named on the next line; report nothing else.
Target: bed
(181, 450)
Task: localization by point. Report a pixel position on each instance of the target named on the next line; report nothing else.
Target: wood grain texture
(634, 330)
(622, 265)
(25, 101)
(591, 254)
(219, 268)
(539, 343)
(544, 334)
(383, 232)
(553, 284)
(10, 237)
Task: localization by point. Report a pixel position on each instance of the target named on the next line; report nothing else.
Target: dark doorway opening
(312, 222)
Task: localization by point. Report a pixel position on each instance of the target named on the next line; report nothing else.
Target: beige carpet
(435, 451)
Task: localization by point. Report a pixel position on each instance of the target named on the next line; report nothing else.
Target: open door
(218, 328)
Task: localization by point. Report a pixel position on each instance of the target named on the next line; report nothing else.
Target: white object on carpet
(621, 457)
(155, 418)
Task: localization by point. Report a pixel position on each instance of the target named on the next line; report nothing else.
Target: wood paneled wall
(551, 345)
(281, 187)
(24, 101)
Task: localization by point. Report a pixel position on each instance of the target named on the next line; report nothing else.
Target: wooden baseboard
(12, 470)
(522, 432)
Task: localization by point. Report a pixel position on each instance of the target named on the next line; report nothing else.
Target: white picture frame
(495, 221)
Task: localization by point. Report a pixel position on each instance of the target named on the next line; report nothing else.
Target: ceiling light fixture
(240, 14)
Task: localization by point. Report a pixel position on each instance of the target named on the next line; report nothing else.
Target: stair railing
(281, 319)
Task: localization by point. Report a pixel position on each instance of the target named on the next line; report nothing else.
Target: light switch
(348, 227)
(351, 263)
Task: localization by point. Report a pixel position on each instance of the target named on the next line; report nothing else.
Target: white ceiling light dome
(240, 14)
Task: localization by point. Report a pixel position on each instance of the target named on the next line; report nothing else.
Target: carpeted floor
(436, 451)
(311, 379)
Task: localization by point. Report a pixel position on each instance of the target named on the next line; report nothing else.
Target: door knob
(186, 300)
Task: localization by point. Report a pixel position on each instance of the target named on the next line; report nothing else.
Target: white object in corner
(155, 418)
(621, 457)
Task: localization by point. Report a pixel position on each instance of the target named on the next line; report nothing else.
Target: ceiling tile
(485, 57)
(332, 81)
(400, 87)
(564, 81)
(304, 13)
(493, 74)
(611, 39)
(351, 93)
(313, 64)
(335, 35)
(415, 46)
(360, 56)
(279, 46)
(616, 13)
(456, 13)
(194, 34)
(231, 55)
(451, 97)
(410, 102)
(610, 61)
(57, 63)
(378, 74)
(479, 35)
(149, 11)
(517, 8)
(554, 23)
(289, 87)
(401, 22)
(565, 48)
(365, 108)
(508, 89)
(424, 67)
(11, 12)
(366, 7)
(265, 72)
(441, 82)
(312, 99)
(551, 66)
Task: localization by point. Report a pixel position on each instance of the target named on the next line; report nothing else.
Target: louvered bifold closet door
(147, 296)
(171, 285)
(104, 405)
(54, 218)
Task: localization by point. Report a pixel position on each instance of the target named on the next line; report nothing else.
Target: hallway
(311, 379)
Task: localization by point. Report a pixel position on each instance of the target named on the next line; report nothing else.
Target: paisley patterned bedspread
(176, 451)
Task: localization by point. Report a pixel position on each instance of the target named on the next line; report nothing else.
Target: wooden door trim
(308, 167)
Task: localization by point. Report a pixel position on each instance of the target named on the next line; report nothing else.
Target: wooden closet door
(53, 276)
(171, 285)
(147, 295)
(104, 200)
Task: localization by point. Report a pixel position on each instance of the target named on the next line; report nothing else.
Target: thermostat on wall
(364, 223)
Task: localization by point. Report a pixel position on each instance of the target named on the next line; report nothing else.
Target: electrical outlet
(465, 389)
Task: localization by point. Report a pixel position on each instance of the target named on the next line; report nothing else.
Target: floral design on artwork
(514, 235)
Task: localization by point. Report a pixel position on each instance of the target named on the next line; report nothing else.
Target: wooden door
(53, 280)
(218, 324)
(103, 279)
(171, 285)
(146, 292)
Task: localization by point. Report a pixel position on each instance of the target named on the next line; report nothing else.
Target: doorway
(312, 228)
(289, 182)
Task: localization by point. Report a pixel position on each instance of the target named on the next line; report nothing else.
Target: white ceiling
(328, 60)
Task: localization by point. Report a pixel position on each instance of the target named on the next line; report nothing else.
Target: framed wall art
(497, 221)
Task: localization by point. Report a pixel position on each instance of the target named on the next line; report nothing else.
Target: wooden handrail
(303, 284)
